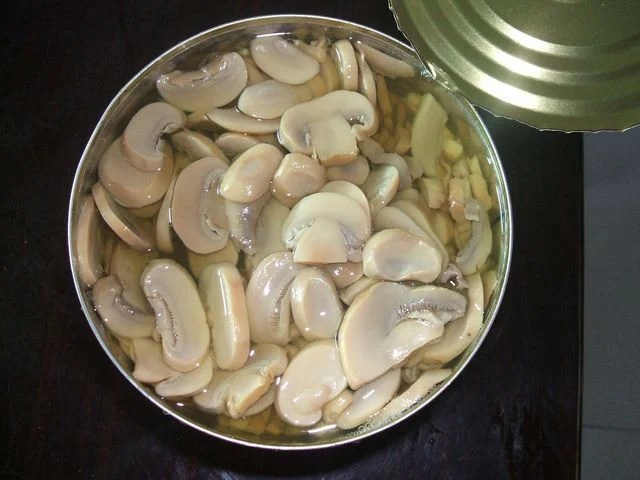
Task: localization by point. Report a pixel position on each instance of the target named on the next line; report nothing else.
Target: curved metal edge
(80, 171)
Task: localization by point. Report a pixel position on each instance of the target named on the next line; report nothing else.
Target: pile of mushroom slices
(291, 231)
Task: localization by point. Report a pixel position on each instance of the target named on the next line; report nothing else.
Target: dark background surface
(66, 411)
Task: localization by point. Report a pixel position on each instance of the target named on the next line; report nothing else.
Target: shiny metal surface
(141, 89)
(570, 65)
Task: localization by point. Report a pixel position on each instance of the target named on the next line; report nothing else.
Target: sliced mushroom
(333, 143)
(188, 383)
(453, 277)
(370, 148)
(197, 209)
(136, 232)
(264, 402)
(489, 283)
(253, 72)
(269, 231)
(130, 186)
(142, 141)
(344, 58)
(268, 298)
(249, 176)
(294, 132)
(216, 84)
(315, 304)
(329, 75)
(233, 144)
(410, 194)
(180, 316)
(297, 176)
(196, 145)
(475, 252)
(150, 366)
(370, 398)
(349, 294)
(351, 191)
(400, 165)
(283, 61)
(385, 64)
(233, 120)
(381, 186)
(397, 255)
(316, 87)
(197, 262)
(270, 99)
(234, 393)
(147, 211)
(88, 242)
(389, 321)
(243, 218)
(323, 242)
(332, 409)
(316, 49)
(120, 317)
(426, 134)
(313, 378)
(356, 172)
(392, 217)
(344, 274)
(128, 264)
(366, 80)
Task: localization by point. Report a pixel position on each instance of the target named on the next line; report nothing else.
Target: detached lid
(554, 64)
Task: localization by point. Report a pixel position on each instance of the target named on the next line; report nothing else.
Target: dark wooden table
(68, 413)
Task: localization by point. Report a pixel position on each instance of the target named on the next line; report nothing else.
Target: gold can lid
(570, 65)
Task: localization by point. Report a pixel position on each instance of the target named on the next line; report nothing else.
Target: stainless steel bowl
(188, 54)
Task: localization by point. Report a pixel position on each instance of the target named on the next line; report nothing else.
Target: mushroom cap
(188, 383)
(344, 274)
(323, 242)
(197, 209)
(270, 99)
(243, 220)
(344, 57)
(196, 145)
(222, 291)
(351, 191)
(142, 140)
(356, 172)
(249, 176)
(366, 80)
(233, 143)
(128, 264)
(232, 120)
(283, 61)
(385, 64)
(180, 316)
(381, 186)
(150, 366)
(88, 242)
(216, 84)
(298, 175)
(387, 322)
(399, 163)
(269, 231)
(313, 378)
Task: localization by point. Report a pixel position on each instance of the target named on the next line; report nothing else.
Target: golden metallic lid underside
(554, 64)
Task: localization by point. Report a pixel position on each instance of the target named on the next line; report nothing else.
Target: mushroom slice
(249, 176)
(180, 316)
(264, 402)
(270, 99)
(333, 143)
(233, 120)
(329, 75)
(381, 186)
(281, 60)
(348, 295)
(316, 49)
(294, 132)
(333, 409)
(120, 317)
(136, 232)
(459, 333)
(222, 292)
(189, 383)
(216, 84)
(475, 252)
(234, 393)
(388, 322)
(356, 172)
(315, 304)
(313, 378)
(323, 242)
(397, 255)
(253, 72)
(128, 264)
(399, 163)
(453, 277)
(196, 145)
(353, 220)
(243, 218)
(345, 60)
(344, 274)
(385, 64)
(150, 366)
(233, 144)
(370, 148)
(426, 134)
(269, 231)
(366, 80)
(410, 194)
(142, 141)
(130, 186)
(392, 217)
(197, 209)
(369, 399)
(147, 211)
(88, 243)
(412, 395)
(297, 176)
(268, 298)
(197, 262)
(164, 232)
(351, 191)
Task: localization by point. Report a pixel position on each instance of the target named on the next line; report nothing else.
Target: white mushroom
(88, 242)
(356, 172)
(397, 255)
(222, 292)
(268, 298)
(351, 191)
(148, 211)
(270, 99)
(410, 194)
(120, 317)
(393, 217)
(333, 142)
(316, 49)
(323, 242)
(232, 120)
(385, 64)
(264, 402)
(198, 262)
(233, 144)
(475, 252)
(180, 316)
(332, 409)
(164, 231)
(269, 231)
(142, 140)
(249, 176)
(370, 398)
(150, 366)
(400, 165)
(313, 378)
(348, 295)
(344, 274)
(136, 232)
(196, 145)
(381, 186)
(426, 134)
(243, 218)
(197, 210)
(389, 321)
(188, 383)
(216, 84)
(253, 72)
(315, 304)
(329, 75)
(344, 58)
(283, 61)
(128, 264)
(297, 176)
(366, 80)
